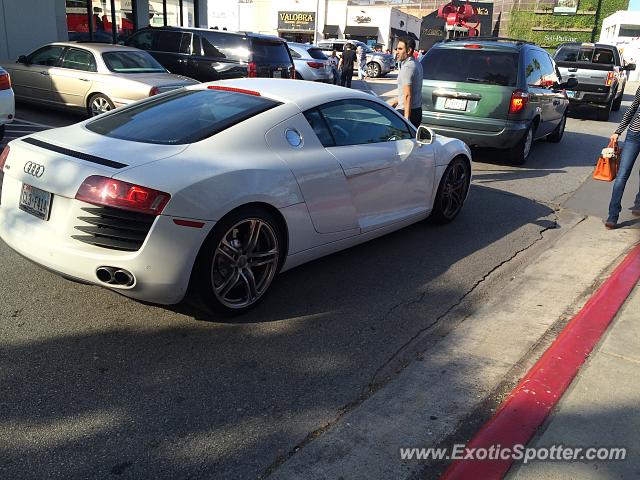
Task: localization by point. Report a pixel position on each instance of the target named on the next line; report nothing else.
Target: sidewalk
(600, 409)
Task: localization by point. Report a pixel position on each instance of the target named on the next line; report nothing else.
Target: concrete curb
(528, 405)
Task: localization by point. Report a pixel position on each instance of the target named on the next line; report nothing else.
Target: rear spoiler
(586, 65)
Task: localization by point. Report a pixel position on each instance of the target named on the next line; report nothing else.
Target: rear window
(317, 54)
(270, 52)
(585, 54)
(132, 62)
(471, 66)
(180, 117)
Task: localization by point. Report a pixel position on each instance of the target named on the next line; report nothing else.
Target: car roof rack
(493, 39)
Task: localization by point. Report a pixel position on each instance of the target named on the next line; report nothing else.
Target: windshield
(180, 117)
(471, 66)
(586, 54)
(132, 62)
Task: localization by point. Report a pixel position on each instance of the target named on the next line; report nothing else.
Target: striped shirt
(630, 115)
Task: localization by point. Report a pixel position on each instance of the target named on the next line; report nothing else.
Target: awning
(330, 31)
(413, 35)
(360, 31)
(396, 32)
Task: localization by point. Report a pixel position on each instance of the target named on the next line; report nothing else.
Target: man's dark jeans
(415, 116)
(345, 79)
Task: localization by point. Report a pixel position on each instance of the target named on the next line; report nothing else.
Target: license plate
(571, 94)
(455, 104)
(35, 201)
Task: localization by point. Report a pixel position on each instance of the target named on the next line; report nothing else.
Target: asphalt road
(95, 385)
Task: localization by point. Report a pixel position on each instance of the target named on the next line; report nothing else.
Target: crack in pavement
(373, 387)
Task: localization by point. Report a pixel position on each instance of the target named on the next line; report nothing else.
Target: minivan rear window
(180, 117)
(471, 66)
(270, 52)
(586, 54)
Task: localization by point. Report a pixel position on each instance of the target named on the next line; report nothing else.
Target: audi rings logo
(33, 168)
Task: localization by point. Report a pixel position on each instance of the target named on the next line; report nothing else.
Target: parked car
(490, 92)
(310, 63)
(208, 55)
(7, 102)
(600, 72)
(95, 77)
(378, 63)
(220, 186)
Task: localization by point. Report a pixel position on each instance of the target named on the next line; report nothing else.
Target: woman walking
(630, 152)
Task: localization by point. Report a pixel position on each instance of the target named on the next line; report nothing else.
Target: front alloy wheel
(452, 191)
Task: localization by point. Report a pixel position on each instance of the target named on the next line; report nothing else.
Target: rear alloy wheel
(452, 191)
(239, 262)
(373, 70)
(518, 155)
(558, 132)
(98, 104)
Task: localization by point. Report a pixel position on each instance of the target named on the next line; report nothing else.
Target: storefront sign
(565, 7)
(297, 21)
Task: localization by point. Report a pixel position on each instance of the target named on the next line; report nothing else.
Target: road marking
(526, 408)
(32, 123)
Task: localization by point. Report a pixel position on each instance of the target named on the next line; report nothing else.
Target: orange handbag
(607, 166)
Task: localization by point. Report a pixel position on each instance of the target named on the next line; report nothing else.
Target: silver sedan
(96, 77)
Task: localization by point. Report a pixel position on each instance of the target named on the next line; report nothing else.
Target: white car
(220, 186)
(7, 101)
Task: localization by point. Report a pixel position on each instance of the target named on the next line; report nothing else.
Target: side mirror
(22, 59)
(571, 83)
(631, 66)
(425, 136)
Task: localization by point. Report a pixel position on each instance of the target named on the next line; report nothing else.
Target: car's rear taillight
(154, 91)
(315, 64)
(252, 70)
(519, 100)
(5, 81)
(473, 45)
(116, 193)
(609, 80)
(3, 157)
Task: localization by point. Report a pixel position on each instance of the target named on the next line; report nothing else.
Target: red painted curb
(527, 406)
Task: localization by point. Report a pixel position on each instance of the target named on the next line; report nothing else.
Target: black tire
(2, 130)
(519, 154)
(99, 103)
(374, 70)
(223, 280)
(558, 132)
(617, 103)
(452, 191)
(602, 114)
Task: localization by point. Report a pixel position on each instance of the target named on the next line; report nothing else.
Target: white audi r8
(214, 188)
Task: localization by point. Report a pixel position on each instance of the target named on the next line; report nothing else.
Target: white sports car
(219, 186)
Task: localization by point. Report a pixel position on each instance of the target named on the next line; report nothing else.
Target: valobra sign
(297, 21)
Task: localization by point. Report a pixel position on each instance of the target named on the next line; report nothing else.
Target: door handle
(83, 79)
(45, 73)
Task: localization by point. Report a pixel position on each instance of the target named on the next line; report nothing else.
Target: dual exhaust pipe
(115, 276)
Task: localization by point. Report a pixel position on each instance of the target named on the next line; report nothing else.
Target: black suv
(494, 92)
(208, 55)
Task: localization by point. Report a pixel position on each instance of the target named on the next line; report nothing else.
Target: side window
(358, 122)
(548, 70)
(171, 42)
(320, 127)
(294, 54)
(77, 59)
(533, 69)
(142, 40)
(197, 49)
(47, 56)
(224, 45)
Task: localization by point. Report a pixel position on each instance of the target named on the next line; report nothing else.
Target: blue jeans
(630, 151)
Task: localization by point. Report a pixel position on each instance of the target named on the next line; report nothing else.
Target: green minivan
(494, 92)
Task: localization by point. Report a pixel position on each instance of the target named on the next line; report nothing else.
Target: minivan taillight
(292, 72)
(519, 100)
(252, 70)
(3, 157)
(116, 193)
(5, 81)
(609, 80)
